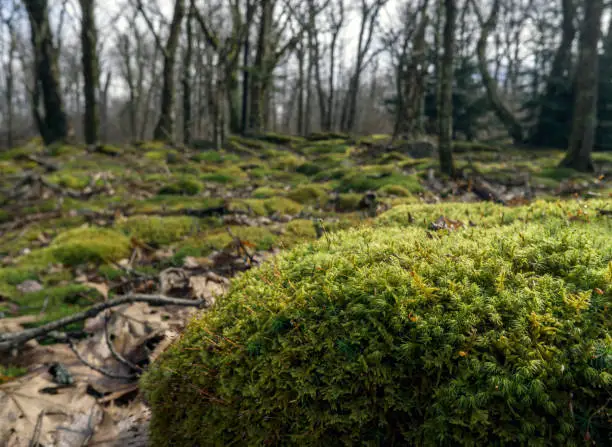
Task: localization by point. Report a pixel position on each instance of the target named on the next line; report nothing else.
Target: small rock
(60, 374)
(29, 286)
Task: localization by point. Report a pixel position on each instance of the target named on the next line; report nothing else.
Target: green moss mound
(83, 245)
(157, 230)
(385, 336)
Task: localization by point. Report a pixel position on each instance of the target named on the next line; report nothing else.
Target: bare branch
(12, 340)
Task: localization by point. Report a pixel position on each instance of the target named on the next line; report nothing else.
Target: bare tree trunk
(54, 126)
(260, 66)
(89, 41)
(186, 81)
(503, 112)
(165, 126)
(10, 86)
(585, 103)
(104, 110)
(245, 71)
(369, 15)
(557, 82)
(446, 110)
(308, 106)
(300, 100)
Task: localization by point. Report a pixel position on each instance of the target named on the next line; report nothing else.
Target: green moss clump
(280, 139)
(285, 162)
(185, 186)
(5, 216)
(89, 244)
(372, 178)
(388, 337)
(110, 150)
(348, 202)
(216, 157)
(158, 231)
(308, 168)
(473, 146)
(394, 190)
(265, 192)
(302, 228)
(309, 194)
(282, 205)
(321, 136)
(72, 180)
(488, 214)
(8, 373)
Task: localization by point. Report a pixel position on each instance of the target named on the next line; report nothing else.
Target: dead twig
(37, 427)
(13, 340)
(240, 244)
(112, 349)
(94, 367)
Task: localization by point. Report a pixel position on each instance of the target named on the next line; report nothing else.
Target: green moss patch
(158, 231)
(373, 178)
(83, 245)
(309, 194)
(389, 337)
(185, 186)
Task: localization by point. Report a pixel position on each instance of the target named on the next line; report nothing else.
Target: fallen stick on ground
(13, 340)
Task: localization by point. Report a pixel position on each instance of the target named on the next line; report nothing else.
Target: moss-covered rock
(186, 185)
(394, 190)
(265, 192)
(385, 336)
(158, 231)
(90, 244)
(372, 178)
(309, 194)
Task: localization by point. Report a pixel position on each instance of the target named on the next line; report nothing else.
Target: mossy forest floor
(80, 226)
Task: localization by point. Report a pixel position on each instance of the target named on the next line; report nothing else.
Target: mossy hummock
(387, 336)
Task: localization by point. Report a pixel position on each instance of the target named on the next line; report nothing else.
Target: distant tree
(89, 41)
(9, 69)
(53, 126)
(186, 78)
(445, 146)
(584, 123)
(554, 105)
(165, 126)
(369, 11)
(499, 106)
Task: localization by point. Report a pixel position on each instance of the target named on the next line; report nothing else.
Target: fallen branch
(603, 212)
(10, 341)
(114, 352)
(97, 368)
(49, 167)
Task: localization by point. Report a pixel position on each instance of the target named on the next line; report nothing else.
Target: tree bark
(186, 81)
(90, 65)
(557, 81)
(245, 70)
(10, 86)
(446, 89)
(54, 125)
(260, 67)
(503, 112)
(584, 121)
(165, 126)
